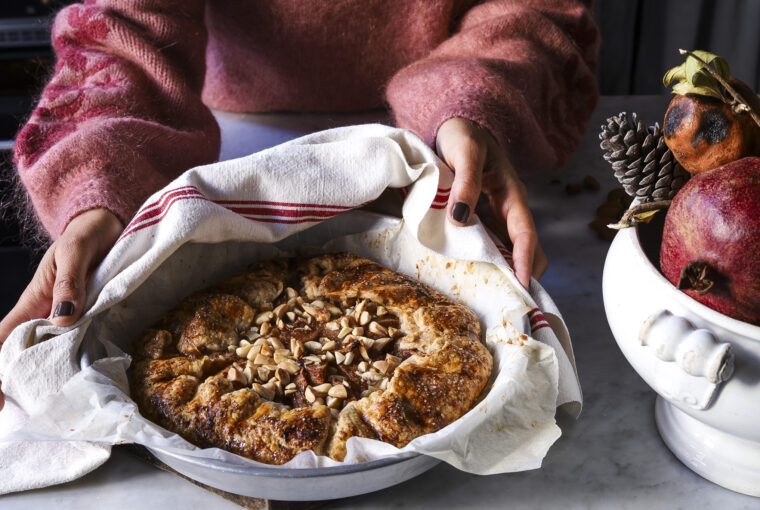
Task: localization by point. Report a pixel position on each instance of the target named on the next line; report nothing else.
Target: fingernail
(64, 309)
(460, 212)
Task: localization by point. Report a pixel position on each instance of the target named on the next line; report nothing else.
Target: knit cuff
(425, 95)
(93, 196)
(87, 195)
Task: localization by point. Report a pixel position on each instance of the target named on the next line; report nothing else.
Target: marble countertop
(611, 457)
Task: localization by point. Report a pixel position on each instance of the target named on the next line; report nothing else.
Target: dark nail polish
(64, 309)
(460, 212)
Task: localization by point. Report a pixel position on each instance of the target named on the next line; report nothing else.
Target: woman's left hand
(480, 165)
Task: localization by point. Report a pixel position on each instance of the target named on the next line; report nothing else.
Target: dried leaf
(703, 79)
(684, 88)
(719, 63)
(691, 77)
(645, 217)
(675, 74)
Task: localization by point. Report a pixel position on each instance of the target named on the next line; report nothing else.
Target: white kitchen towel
(265, 197)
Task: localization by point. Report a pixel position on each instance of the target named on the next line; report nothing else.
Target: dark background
(640, 41)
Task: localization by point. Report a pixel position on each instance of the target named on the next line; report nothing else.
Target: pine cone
(642, 162)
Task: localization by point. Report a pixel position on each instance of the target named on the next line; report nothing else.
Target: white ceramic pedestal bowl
(704, 365)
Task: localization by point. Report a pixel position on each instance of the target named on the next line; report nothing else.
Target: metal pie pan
(311, 484)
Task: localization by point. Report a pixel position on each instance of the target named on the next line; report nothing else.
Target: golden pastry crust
(267, 372)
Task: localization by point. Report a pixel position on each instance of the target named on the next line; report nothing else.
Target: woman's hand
(480, 164)
(57, 289)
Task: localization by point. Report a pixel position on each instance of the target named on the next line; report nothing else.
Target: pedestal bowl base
(725, 459)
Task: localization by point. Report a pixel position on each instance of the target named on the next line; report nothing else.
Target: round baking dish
(705, 366)
(287, 484)
(299, 484)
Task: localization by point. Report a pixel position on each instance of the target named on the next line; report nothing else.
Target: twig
(628, 218)
(737, 97)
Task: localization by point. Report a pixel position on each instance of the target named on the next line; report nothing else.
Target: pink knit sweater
(127, 109)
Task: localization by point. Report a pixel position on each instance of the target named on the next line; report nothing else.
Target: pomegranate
(704, 125)
(711, 240)
(704, 133)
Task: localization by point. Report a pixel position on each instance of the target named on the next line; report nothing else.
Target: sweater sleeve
(122, 115)
(525, 70)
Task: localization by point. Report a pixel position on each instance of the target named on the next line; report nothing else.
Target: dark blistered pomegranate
(710, 121)
(704, 133)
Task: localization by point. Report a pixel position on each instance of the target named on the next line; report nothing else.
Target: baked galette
(299, 354)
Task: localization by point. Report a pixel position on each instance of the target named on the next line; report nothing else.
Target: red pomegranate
(711, 240)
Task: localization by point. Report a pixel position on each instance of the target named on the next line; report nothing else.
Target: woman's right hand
(57, 289)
